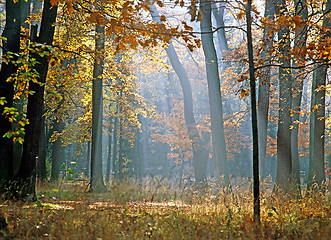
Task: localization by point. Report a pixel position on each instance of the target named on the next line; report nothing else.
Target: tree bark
(264, 86)
(297, 86)
(109, 153)
(11, 45)
(88, 169)
(58, 152)
(115, 149)
(215, 98)
(97, 183)
(284, 159)
(316, 172)
(256, 179)
(120, 150)
(27, 172)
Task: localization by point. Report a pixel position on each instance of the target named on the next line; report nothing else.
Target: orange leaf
(162, 18)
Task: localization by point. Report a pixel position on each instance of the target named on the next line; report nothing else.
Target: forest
(165, 119)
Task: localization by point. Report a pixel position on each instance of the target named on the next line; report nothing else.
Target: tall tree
(58, 151)
(11, 44)
(27, 172)
(200, 152)
(256, 188)
(297, 86)
(214, 91)
(97, 183)
(316, 173)
(284, 158)
(264, 86)
(115, 148)
(109, 152)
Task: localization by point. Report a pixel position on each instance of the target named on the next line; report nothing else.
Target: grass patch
(158, 209)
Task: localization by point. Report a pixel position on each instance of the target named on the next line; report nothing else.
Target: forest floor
(160, 210)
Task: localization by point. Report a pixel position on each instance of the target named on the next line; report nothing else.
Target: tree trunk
(256, 179)
(20, 102)
(200, 153)
(215, 98)
(88, 169)
(120, 150)
(97, 183)
(115, 149)
(58, 152)
(264, 86)
(27, 172)
(218, 13)
(284, 159)
(297, 86)
(109, 153)
(316, 172)
(11, 45)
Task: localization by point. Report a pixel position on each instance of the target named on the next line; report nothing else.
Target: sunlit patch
(49, 206)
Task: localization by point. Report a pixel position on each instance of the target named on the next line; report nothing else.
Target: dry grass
(163, 210)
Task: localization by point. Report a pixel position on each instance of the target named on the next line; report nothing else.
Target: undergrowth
(157, 209)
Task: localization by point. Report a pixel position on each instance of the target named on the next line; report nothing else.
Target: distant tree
(215, 98)
(200, 152)
(57, 151)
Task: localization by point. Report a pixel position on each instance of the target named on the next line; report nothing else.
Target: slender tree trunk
(284, 159)
(11, 45)
(109, 153)
(88, 169)
(264, 86)
(256, 188)
(215, 98)
(115, 149)
(200, 153)
(27, 172)
(120, 150)
(97, 183)
(58, 152)
(297, 86)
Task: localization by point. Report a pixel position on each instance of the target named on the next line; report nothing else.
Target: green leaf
(69, 178)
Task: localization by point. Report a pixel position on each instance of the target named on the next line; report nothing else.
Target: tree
(97, 183)
(297, 87)
(256, 188)
(57, 151)
(11, 45)
(284, 158)
(200, 153)
(215, 98)
(27, 173)
(316, 173)
(264, 86)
